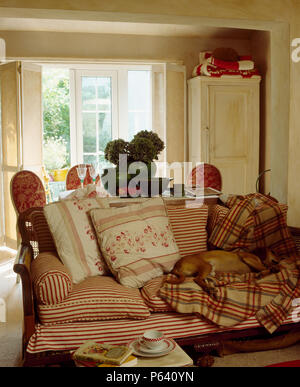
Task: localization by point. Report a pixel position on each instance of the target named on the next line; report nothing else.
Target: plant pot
(140, 168)
(59, 174)
(152, 186)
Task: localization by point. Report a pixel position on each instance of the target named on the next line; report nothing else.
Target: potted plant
(142, 150)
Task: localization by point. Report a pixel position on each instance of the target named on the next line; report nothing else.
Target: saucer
(139, 350)
(163, 346)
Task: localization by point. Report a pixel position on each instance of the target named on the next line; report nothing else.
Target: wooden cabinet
(223, 129)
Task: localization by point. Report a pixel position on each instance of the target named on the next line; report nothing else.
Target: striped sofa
(60, 315)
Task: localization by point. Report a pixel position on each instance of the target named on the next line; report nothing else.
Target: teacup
(152, 339)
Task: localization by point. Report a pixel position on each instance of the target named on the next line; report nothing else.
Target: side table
(176, 358)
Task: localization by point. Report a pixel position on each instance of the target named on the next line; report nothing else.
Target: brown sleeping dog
(208, 263)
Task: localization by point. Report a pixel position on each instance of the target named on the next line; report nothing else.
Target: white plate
(138, 349)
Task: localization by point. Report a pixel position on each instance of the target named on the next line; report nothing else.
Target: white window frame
(78, 102)
(119, 75)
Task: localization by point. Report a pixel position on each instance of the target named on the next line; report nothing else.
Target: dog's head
(267, 256)
(271, 258)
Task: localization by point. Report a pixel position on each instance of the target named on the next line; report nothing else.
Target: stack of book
(92, 354)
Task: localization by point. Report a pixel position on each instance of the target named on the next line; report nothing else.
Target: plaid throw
(253, 221)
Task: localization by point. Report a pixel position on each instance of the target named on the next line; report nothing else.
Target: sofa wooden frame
(196, 346)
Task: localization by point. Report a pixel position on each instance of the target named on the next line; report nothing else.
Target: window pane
(89, 93)
(138, 121)
(104, 93)
(96, 127)
(89, 132)
(139, 90)
(139, 102)
(104, 125)
(89, 159)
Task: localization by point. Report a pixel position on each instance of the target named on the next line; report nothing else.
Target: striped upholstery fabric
(149, 292)
(137, 241)
(216, 214)
(42, 231)
(51, 281)
(174, 325)
(74, 236)
(189, 228)
(96, 298)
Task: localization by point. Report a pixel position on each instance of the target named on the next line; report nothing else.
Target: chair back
(207, 175)
(27, 190)
(73, 181)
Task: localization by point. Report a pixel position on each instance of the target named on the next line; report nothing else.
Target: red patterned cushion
(51, 281)
(149, 292)
(189, 228)
(96, 298)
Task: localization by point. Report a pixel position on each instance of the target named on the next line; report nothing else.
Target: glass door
(96, 115)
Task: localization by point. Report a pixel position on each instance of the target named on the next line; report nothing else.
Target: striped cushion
(149, 292)
(51, 281)
(42, 231)
(137, 241)
(189, 228)
(96, 298)
(75, 238)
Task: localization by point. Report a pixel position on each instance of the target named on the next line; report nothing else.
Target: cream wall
(249, 14)
(27, 44)
(261, 51)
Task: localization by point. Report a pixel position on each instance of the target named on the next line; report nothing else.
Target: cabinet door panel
(233, 139)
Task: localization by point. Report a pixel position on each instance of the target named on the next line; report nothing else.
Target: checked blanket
(252, 221)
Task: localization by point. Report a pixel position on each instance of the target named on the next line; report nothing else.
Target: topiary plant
(142, 149)
(113, 150)
(145, 146)
(157, 144)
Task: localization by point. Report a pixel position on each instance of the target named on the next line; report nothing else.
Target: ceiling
(105, 27)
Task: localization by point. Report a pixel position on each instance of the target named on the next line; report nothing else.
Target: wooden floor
(11, 329)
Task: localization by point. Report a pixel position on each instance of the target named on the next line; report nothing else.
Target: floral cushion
(75, 238)
(96, 298)
(137, 241)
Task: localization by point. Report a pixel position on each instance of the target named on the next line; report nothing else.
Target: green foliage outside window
(56, 118)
